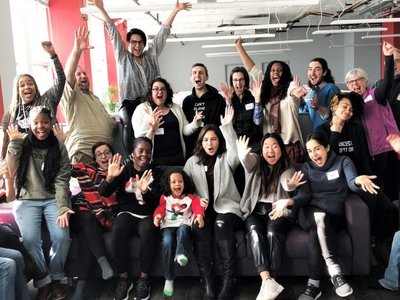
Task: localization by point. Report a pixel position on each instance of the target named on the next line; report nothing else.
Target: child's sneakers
(342, 288)
(311, 293)
(182, 260)
(168, 288)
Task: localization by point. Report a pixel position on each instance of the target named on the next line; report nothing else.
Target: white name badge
(332, 175)
(398, 97)
(160, 131)
(249, 106)
(369, 98)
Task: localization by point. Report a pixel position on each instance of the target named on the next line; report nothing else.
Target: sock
(107, 271)
(168, 287)
(79, 293)
(313, 282)
(334, 270)
(182, 260)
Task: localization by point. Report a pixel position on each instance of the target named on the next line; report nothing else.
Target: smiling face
(136, 45)
(40, 125)
(317, 152)
(344, 110)
(103, 155)
(239, 83)
(275, 74)
(176, 184)
(271, 151)
(198, 77)
(357, 84)
(315, 73)
(141, 156)
(26, 89)
(159, 93)
(81, 79)
(210, 142)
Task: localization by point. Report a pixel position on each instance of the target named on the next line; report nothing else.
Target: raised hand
(239, 42)
(182, 6)
(144, 182)
(387, 48)
(97, 3)
(114, 167)
(59, 132)
(242, 145)
(156, 119)
(228, 117)
(227, 92)
(198, 117)
(81, 39)
(14, 133)
(367, 184)
(49, 48)
(256, 90)
(295, 181)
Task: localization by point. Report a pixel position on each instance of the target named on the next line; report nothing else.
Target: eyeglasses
(358, 80)
(105, 153)
(156, 90)
(134, 43)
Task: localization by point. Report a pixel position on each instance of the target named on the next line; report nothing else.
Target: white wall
(7, 59)
(176, 59)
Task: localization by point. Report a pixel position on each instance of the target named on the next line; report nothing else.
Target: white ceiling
(217, 13)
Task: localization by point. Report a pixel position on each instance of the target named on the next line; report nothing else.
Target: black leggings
(268, 240)
(223, 225)
(126, 225)
(125, 115)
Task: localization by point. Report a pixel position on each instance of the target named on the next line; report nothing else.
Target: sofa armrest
(358, 226)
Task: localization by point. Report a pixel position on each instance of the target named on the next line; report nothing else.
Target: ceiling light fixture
(219, 38)
(255, 52)
(378, 36)
(332, 31)
(259, 43)
(231, 28)
(354, 45)
(365, 21)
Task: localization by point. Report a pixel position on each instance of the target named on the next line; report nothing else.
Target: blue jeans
(174, 238)
(12, 278)
(391, 278)
(28, 215)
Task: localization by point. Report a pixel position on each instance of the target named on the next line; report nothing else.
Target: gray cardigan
(226, 195)
(251, 164)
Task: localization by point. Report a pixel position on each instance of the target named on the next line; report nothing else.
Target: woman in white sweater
(164, 123)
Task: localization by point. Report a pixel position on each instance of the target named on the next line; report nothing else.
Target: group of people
(235, 159)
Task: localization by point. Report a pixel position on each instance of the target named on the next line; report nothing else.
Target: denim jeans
(12, 278)
(28, 215)
(174, 238)
(391, 278)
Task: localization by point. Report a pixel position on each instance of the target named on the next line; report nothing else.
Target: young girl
(270, 177)
(328, 178)
(42, 170)
(178, 208)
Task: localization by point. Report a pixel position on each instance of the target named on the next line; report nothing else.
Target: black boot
(204, 263)
(227, 250)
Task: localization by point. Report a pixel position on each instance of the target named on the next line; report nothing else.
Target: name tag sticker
(398, 97)
(332, 175)
(249, 106)
(160, 131)
(369, 98)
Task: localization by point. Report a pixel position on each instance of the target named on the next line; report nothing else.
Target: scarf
(51, 161)
(274, 115)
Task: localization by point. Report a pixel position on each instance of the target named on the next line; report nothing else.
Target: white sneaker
(269, 290)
